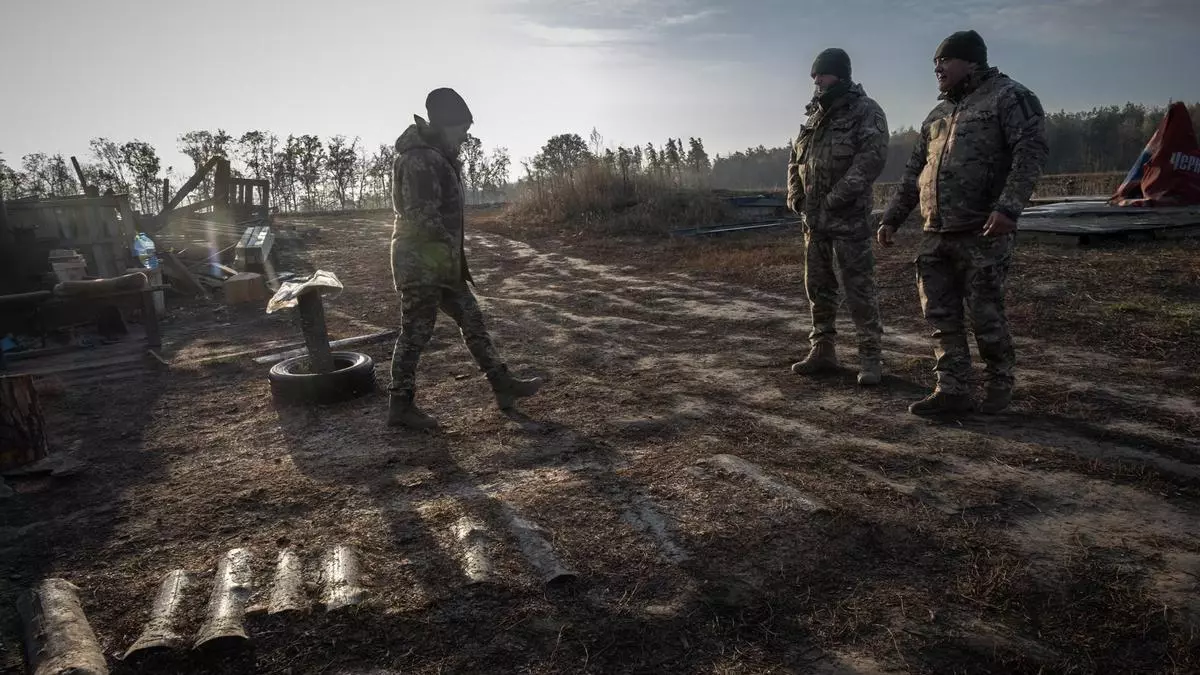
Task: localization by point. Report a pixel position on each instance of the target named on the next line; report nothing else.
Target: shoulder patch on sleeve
(1029, 104)
(879, 121)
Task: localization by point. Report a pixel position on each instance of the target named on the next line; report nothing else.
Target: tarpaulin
(1167, 173)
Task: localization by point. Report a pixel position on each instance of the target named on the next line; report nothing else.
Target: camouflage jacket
(834, 162)
(982, 149)
(428, 199)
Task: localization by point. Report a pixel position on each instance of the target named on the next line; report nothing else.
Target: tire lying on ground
(292, 381)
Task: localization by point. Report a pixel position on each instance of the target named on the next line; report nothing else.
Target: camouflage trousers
(968, 269)
(419, 307)
(824, 257)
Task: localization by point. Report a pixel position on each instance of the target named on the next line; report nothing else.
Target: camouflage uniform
(832, 167)
(981, 150)
(429, 266)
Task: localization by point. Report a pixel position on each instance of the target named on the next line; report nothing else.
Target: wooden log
(316, 337)
(22, 425)
(58, 638)
(287, 590)
(161, 631)
(340, 586)
(227, 604)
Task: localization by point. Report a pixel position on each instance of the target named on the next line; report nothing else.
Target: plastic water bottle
(143, 248)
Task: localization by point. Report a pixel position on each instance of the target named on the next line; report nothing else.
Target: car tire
(353, 376)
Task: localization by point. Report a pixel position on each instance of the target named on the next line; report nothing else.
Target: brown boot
(402, 412)
(508, 388)
(942, 403)
(822, 357)
(996, 399)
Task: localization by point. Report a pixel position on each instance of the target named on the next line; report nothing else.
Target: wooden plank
(221, 186)
(150, 320)
(336, 344)
(109, 201)
(190, 185)
(173, 268)
(83, 184)
(312, 325)
(193, 207)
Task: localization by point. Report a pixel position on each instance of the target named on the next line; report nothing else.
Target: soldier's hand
(999, 224)
(886, 235)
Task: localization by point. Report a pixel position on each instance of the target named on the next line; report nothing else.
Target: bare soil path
(675, 500)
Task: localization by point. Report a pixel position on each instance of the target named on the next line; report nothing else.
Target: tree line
(310, 173)
(1099, 140)
(307, 173)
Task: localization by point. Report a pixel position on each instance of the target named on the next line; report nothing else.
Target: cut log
(227, 604)
(22, 426)
(475, 539)
(287, 591)
(58, 638)
(340, 586)
(162, 630)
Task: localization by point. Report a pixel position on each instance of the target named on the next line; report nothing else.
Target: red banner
(1168, 171)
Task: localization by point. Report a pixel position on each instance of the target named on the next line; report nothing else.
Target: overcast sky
(732, 73)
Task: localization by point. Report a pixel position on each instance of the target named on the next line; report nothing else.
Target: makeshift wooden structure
(214, 238)
(22, 427)
(100, 228)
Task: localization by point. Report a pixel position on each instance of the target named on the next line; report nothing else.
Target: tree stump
(22, 427)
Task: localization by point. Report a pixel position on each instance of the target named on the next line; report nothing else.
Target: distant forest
(309, 173)
(1099, 140)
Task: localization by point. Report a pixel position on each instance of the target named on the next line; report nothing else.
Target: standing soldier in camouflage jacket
(834, 162)
(429, 267)
(975, 165)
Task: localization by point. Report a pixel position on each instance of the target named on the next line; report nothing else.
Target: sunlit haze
(734, 74)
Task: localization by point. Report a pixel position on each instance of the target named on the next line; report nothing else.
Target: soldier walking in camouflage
(429, 266)
(840, 151)
(980, 153)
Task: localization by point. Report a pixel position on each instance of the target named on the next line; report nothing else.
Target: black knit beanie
(832, 61)
(966, 45)
(446, 108)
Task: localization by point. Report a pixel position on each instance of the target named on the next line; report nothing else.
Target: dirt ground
(718, 513)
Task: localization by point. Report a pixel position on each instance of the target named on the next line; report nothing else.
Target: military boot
(402, 412)
(508, 388)
(942, 403)
(996, 399)
(870, 371)
(821, 357)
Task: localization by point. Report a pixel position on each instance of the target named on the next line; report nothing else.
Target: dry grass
(596, 199)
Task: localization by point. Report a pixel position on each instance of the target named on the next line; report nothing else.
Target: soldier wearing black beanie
(832, 61)
(966, 45)
(978, 158)
(446, 108)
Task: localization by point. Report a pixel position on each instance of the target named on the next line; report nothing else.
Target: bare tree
(340, 164)
(202, 146)
(473, 165)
